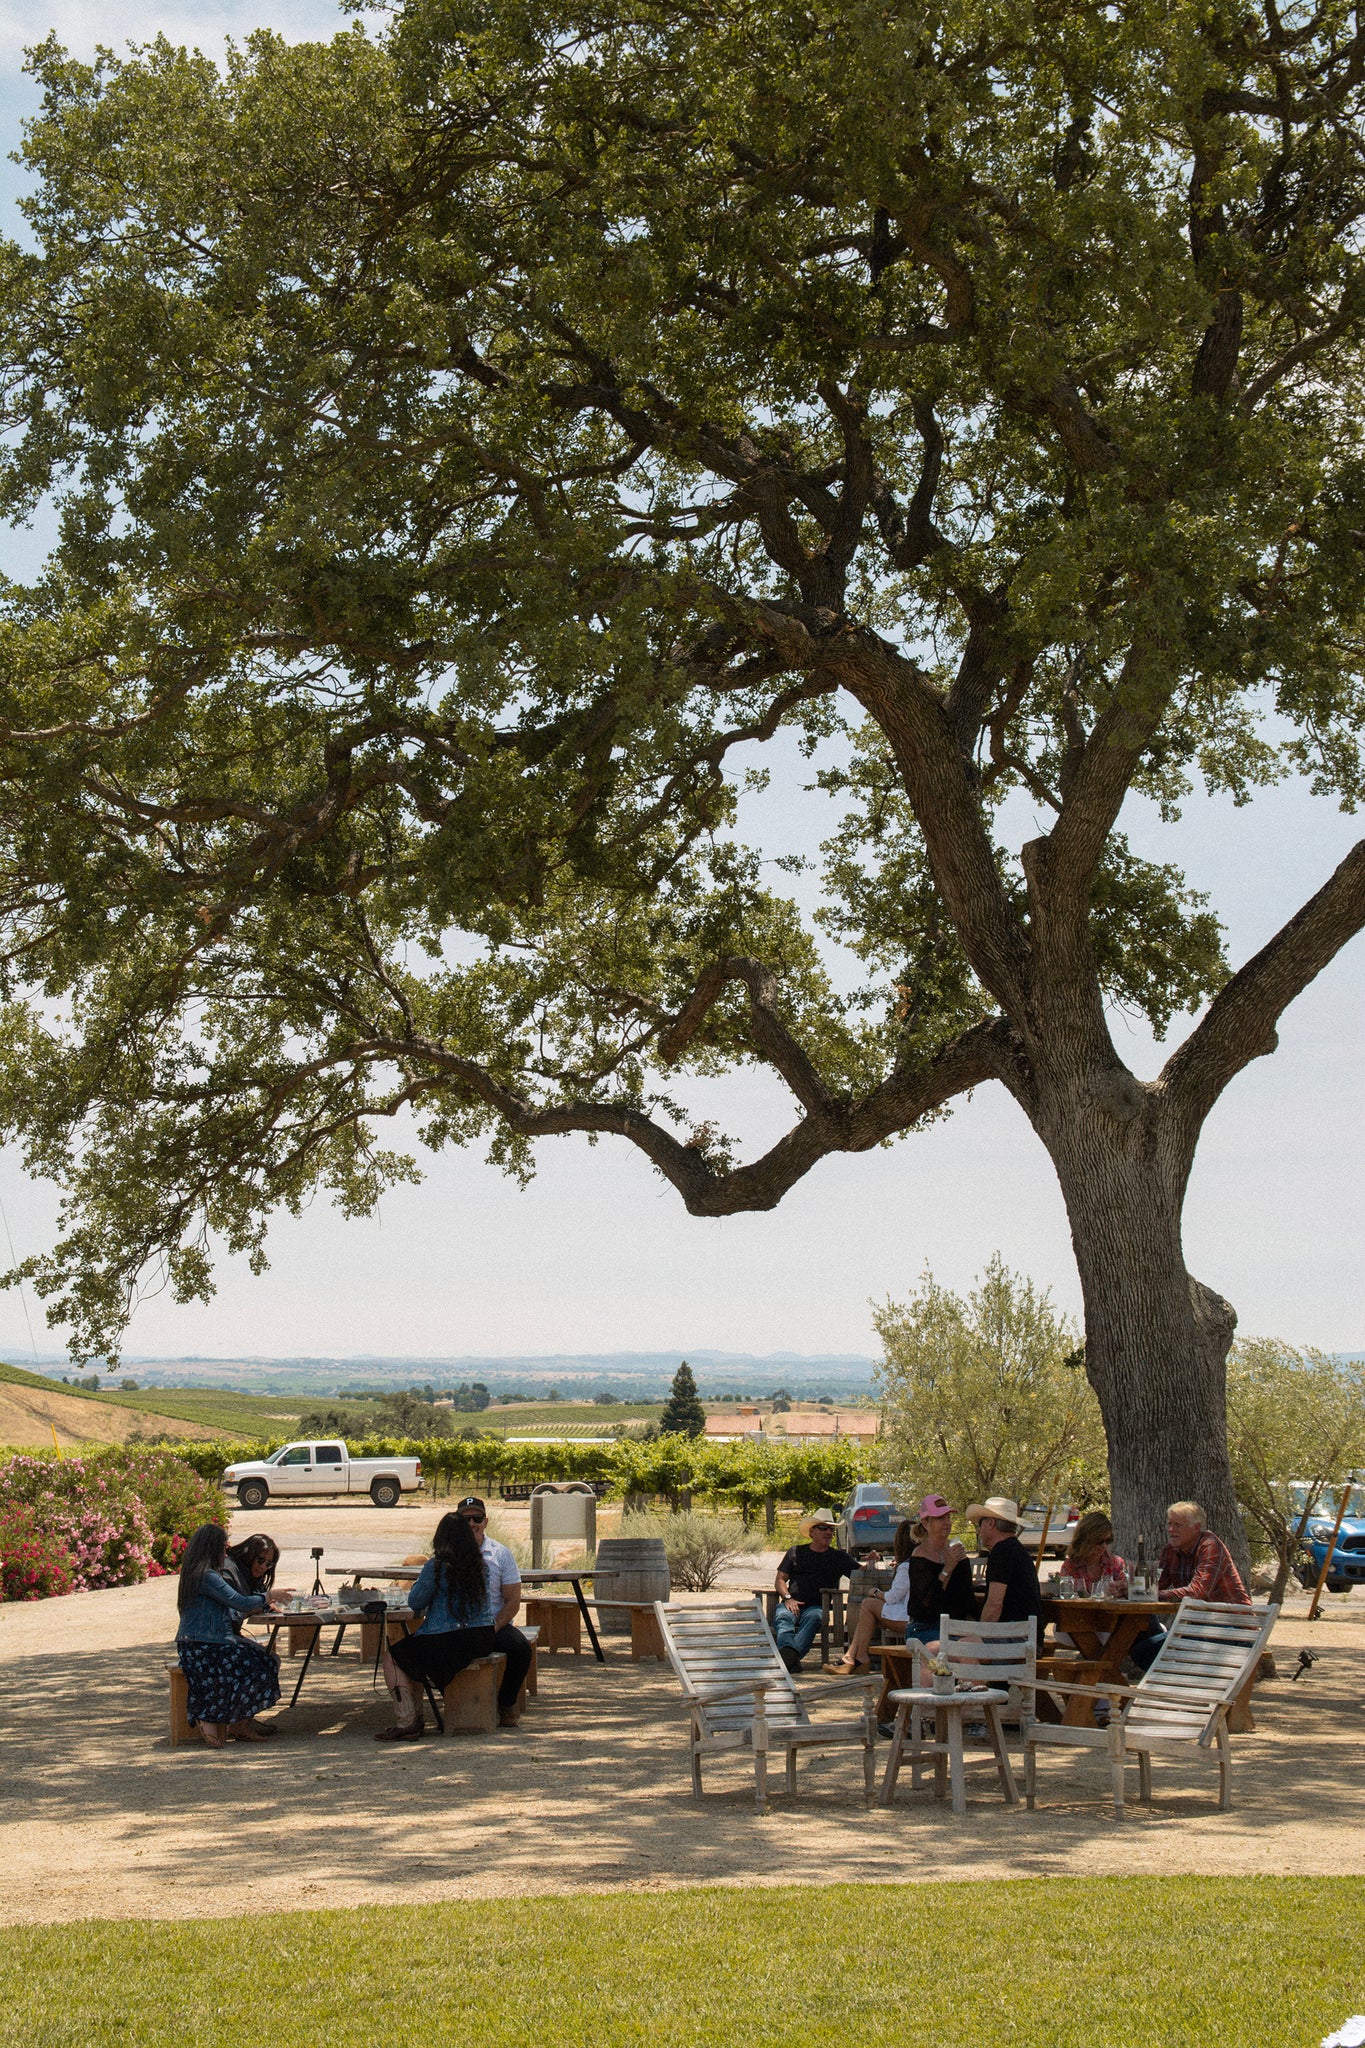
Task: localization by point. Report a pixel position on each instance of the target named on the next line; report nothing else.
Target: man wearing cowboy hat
(1011, 1575)
(804, 1573)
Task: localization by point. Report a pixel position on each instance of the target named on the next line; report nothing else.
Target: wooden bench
(562, 1629)
(557, 1622)
(369, 1637)
(469, 1704)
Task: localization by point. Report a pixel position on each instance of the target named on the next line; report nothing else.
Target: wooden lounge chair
(740, 1694)
(1209, 1654)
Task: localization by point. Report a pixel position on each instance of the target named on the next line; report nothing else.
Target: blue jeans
(797, 1631)
(1143, 1652)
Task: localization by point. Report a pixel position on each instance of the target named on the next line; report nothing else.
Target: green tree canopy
(475, 440)
(1296, 1429)
(983, 1394)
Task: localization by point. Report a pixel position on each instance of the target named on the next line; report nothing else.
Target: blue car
(1348, 1559)
(869, 1521)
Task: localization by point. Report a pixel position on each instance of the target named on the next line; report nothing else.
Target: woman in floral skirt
(229, 1679)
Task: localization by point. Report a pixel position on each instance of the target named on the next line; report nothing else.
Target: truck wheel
(386, 1493)
(253, 1493)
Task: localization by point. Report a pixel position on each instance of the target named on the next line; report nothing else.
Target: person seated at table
(1090, 1560)
(1012, 1592)
(451, 1595)
(1196, 1564)
(251, 1565)
(229, 1679)
(807, 1570)
(933, 1578)
(504, 1598)
(888, 1608)
(1090, 1555)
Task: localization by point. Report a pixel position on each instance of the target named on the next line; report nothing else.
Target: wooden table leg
(893, 1762)
(1002, 1761)
(956, 1768)
(1241, 1720)
(940, 1753)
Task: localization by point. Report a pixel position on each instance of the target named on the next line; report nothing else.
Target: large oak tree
(467, 438)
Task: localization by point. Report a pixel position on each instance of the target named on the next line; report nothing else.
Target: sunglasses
(479, 1520)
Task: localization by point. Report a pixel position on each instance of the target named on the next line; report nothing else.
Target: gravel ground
(99, 1817)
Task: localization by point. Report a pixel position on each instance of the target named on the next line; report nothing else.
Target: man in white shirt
(504, 1598)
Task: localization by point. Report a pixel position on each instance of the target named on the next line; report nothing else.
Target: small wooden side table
(950, 1710)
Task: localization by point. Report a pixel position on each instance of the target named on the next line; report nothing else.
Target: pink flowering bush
(117, 1515)
(176, 1498)
(90, 1511)
(34, 1563)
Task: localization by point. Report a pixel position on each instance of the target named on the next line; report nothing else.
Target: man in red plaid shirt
(1196, 1565)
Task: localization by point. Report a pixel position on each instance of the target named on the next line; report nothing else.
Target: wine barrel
(628, 1568)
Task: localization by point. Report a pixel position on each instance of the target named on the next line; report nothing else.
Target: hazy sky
(599, 1255)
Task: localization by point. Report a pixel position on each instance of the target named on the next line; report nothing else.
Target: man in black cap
(504, 1598)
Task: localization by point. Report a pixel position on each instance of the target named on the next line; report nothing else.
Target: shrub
(698, 1547)
(34, 1564)
(176, 1497)
(91, 1512)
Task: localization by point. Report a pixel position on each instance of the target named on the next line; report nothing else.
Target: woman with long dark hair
(451, 1595)
(229, 1680)
(251, 1564)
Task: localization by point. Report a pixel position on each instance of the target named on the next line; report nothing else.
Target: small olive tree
(1296, 1426)
(987, 1394)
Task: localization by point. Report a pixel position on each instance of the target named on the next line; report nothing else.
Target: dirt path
(98, 1816)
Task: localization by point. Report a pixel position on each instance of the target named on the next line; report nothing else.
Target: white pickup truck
(302, 1470)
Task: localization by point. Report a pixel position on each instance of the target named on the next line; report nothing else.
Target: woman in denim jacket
(229, 1679)
(451, 1595)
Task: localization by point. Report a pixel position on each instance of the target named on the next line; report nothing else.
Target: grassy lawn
(1105, 1963)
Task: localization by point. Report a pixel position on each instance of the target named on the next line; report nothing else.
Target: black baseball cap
(471, 1501)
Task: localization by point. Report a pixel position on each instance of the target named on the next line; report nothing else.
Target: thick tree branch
(984, 1052)
(1240, 1024)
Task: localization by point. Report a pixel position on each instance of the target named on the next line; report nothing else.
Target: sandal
(250, 1731)
(414, 1732)
(215, 1741)
(846, 1670)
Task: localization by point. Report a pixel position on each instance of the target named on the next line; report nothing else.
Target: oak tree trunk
(1156, 1339)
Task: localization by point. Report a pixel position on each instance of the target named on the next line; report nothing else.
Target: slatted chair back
(991, 1652)
(1211, 1650)
(729, 1651)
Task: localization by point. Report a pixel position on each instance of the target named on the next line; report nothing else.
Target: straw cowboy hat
(818, 1515)
(997, 1507)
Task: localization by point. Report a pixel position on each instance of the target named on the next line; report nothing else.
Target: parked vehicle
(1060, 1529)
(302, 1471)
(1348, 1559)
(869, 1520)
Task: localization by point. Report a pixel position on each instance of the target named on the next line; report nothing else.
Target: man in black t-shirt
(803, 1575)
(1011, 1575)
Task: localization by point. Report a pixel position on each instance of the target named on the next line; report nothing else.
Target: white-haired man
(1196, 1564)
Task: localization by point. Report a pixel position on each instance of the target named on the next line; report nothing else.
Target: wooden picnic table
(405, 1574)
(312, 1624)
(1087, 1620)
(1084, 1620)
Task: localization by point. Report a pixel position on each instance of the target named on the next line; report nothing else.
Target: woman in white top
(889, 1608)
